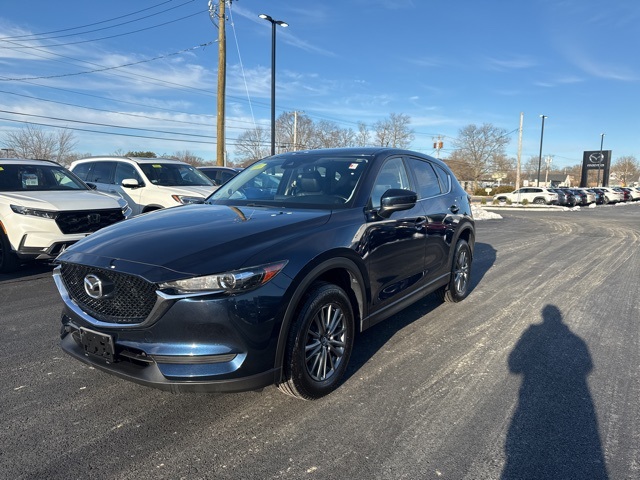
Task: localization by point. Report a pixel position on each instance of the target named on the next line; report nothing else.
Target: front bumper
(207, 343)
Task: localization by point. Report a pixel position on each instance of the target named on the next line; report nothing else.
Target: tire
(539, 201)
(9, 261)
(319, 344)
(458, 287)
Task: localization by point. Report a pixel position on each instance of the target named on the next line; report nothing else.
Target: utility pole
(548, 161)
(222, 81)
(519, 164)
(295, 130)
(437, 145)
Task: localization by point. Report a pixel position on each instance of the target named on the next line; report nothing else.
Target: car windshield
(296, 181)
(175, 175)
(29, 177)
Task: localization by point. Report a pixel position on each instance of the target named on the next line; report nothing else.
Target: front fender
(302, 283)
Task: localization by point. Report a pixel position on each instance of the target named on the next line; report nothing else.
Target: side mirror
(395, 200)
(130, 183)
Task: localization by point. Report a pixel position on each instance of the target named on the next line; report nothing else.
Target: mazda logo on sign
(97, 287)
(596, 157)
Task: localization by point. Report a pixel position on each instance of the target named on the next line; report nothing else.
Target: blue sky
(444, 64)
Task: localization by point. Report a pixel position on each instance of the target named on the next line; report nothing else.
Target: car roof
(28, 161)
(217, 167)
(139, 160)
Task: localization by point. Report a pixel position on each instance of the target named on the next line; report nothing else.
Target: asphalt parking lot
(534, 375)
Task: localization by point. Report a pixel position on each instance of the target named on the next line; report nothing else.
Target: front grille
(130, 301)
(87, 221)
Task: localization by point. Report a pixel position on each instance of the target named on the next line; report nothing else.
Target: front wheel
(9, 261)
(320, 343)
(458, 287)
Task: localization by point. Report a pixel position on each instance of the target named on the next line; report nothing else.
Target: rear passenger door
(432, 187)
(101, 175)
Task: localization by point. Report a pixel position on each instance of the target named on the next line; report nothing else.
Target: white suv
(145, 183)
(537, 195)
(44, 208)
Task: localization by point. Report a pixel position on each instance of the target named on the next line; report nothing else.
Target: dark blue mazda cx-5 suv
(269, 280)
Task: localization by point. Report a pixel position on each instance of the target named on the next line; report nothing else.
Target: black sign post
(596, 160)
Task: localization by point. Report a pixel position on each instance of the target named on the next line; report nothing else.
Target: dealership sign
(596, 160)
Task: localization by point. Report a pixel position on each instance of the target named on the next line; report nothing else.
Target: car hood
(63, 200)
(194, 240)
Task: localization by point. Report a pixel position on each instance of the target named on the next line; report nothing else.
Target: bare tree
(394, 131)
(253, 145)
(460, 167)
(363, 137)
(294, 131)
(188, 157)
(480, 146)
(626, 169)
(33, 142)
(329, 135)
(530, 168)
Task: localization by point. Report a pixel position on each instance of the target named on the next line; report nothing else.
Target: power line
(135, 115)
(84, 26)
(104, 69)
(175, 140)
(104, 124)
(111, 36)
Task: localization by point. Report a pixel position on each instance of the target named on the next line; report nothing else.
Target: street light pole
(600, 161)
(273, 76)
(540, 156)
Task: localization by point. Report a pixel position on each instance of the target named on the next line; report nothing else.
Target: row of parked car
(570, 197)
(93, 193)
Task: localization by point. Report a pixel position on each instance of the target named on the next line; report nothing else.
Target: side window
(444, 178)
(82, 170)
(124, 170)
(392, 175)
(428, 184)
(102, 172)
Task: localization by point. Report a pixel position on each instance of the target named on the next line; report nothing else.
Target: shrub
(504, 189)
(483, 201)
(525, 202)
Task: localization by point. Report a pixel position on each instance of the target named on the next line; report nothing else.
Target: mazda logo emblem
(97, 287)
(93, 218)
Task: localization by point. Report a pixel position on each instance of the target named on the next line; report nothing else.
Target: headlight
(228, 282)
(124, 207)
(33, 212)
(185, 199)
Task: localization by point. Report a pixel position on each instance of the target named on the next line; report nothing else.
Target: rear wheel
(539, 201)
(320, 343)
(8, 259)
(458, 287)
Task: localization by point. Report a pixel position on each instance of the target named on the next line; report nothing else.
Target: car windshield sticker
(157, 166)
(29, 180)
(353, 166)
(258, 166)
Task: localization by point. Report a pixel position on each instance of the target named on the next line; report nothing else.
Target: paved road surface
(535, 375)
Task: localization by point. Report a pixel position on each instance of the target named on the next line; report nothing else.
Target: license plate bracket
(97, 344)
